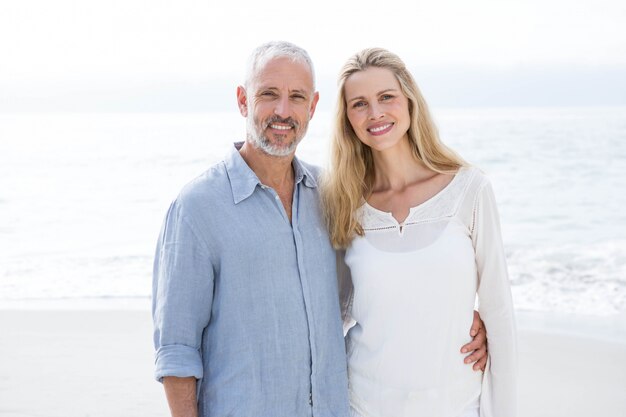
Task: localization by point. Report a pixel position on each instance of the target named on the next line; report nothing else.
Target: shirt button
(277, 197)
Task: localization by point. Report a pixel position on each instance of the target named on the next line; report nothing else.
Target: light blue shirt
(246, 301)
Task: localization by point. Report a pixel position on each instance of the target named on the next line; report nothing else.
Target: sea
(83, 196)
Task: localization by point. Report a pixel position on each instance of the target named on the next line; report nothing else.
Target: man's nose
(282, 107)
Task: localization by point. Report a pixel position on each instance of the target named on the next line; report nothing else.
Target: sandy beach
(78, 363)
(97, 363)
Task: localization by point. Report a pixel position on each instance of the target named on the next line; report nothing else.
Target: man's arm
(478, 345)
(182, 298)
(181, 396)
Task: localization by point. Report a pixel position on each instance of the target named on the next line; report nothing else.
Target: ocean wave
(589, 279)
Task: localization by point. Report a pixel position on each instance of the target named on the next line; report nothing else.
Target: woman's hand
(478, 346)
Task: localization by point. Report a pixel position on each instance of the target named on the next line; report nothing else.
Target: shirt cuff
(178, 360)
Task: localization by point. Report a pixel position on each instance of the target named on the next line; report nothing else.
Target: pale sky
(190, 55)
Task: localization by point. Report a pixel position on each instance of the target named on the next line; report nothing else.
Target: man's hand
(478, 346)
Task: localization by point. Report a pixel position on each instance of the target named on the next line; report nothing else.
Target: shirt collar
(243, 180)
(303, 173)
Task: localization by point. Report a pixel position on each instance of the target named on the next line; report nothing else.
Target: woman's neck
(397, 168)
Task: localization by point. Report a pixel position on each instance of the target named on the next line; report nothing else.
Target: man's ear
(242, 101)
(316, 98)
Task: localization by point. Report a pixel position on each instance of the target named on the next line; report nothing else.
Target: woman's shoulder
(471, 184)
(472, 177)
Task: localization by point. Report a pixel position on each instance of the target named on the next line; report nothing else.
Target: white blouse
(408, 307)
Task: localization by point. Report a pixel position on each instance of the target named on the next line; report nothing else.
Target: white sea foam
(570, 278)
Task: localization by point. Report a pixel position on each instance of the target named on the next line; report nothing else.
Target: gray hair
(276, 49)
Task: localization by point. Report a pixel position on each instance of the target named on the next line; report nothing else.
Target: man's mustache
(277, 119)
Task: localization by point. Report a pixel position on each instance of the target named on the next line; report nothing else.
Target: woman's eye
(359, 104)
(386, 97)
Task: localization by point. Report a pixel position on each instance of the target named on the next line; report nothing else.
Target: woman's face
(377, 109)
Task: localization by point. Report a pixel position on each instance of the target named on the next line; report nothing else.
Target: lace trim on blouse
(444, 204)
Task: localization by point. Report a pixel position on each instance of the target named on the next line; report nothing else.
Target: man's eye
(297, 97)
(268, 94)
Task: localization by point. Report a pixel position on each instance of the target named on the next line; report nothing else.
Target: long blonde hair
(350, 176)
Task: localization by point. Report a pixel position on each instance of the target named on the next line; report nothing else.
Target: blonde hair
(350, 176)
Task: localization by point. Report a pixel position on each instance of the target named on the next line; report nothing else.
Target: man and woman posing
(245, 298)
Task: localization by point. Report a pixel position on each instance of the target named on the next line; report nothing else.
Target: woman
(422, 239)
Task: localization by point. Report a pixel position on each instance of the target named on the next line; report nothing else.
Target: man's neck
(273, 171)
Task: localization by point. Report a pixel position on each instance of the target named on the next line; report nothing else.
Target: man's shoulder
(208, 187)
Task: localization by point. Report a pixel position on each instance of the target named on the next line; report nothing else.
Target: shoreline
(610, 328)
(77, 304)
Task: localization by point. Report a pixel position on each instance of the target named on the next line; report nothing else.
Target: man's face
(278, 105)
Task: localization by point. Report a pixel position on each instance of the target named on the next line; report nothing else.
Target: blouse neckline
(413, 209)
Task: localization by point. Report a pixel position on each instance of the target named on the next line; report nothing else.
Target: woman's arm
(499, 393)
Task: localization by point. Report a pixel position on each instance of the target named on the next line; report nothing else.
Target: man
(245, 303)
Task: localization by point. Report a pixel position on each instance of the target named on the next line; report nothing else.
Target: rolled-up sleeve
(499, 392)
(182, 293)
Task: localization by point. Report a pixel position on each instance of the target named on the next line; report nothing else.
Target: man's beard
(279, 148)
